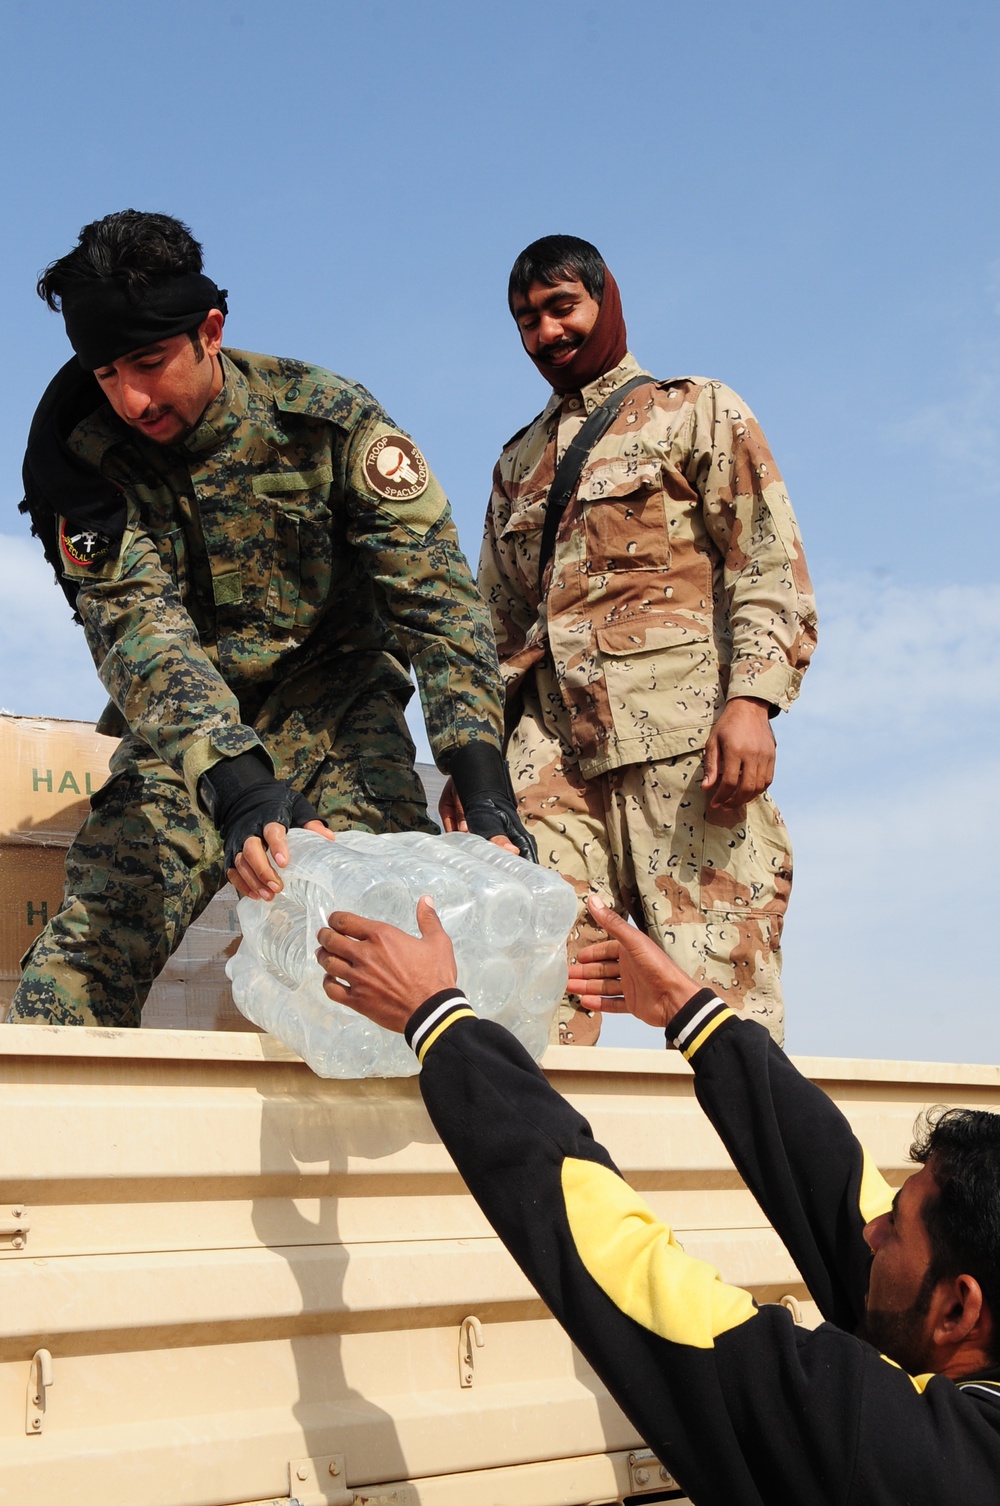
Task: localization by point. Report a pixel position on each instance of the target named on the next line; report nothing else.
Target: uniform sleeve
(794, 1149)
(772, 613)
(501, 582)
(738, 1402)
(152, 665)
(405, 532)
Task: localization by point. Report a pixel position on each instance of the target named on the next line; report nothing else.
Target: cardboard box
(48, 771)
(31, 886)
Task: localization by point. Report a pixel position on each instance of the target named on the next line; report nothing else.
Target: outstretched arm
(791, 1144)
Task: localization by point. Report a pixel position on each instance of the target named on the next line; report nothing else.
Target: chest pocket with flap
(624, 515)
(303, 545)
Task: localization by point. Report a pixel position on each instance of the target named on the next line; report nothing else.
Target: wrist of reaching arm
(696, 1022)
(753, 700)
(478, 768)
(242, 797)
(213, 746)
(224, 784)
(482, 782)
(436, 1015)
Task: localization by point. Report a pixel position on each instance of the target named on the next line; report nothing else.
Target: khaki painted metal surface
(218, 1271)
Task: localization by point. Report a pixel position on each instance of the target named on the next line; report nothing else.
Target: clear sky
(800, 199)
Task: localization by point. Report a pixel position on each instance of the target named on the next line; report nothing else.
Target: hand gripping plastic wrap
(508, 921)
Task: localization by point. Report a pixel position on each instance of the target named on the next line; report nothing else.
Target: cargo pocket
(747, 864)
(117, 679)
(521, 540)
(370, 793)
(660, 677)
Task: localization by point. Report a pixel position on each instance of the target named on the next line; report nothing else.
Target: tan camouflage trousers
(146, 863)
(710, 886)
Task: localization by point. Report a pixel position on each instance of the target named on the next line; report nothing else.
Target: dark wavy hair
(553, 258)
(962, 1149)
(134, 247)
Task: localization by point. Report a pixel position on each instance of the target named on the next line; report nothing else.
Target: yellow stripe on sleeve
(638, 1263)
(459, 1014)
(702, 1036)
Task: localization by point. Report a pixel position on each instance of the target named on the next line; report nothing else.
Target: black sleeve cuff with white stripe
(699, 1018)
(434, 1017)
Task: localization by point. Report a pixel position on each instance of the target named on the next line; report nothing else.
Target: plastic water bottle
(507, 918)
(505, 913)
(418, 867)
(551, 907)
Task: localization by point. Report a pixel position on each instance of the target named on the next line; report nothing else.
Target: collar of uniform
(223, 413)
(595, 393)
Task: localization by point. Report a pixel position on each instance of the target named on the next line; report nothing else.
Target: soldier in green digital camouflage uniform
(257, 556)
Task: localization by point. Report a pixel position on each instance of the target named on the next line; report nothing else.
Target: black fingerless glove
(483, 785)
(241, 796)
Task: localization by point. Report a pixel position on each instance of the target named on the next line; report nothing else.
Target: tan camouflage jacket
(678, 577)
(292, 554)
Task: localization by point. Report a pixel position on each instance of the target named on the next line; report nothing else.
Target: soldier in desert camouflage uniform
(673, 620)
(273, 557)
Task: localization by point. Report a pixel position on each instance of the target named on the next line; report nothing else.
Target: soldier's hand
(453, 818)
(628, 974)
(739, 754)
(450, 808)
(252, 875)
(381, 971)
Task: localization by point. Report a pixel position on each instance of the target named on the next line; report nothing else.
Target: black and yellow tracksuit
(743, 1406)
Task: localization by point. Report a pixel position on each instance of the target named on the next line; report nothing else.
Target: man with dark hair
(894, 1399)
(257, 556)
(647, 633)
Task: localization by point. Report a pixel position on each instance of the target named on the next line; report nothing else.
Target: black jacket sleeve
(793, 1148)
(739, 1403)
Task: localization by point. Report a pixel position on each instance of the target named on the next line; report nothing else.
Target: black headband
(104, 320)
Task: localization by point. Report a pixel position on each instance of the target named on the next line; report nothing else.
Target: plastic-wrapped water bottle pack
(508, 921)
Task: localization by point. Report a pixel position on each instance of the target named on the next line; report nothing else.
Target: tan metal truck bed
(243, 1283)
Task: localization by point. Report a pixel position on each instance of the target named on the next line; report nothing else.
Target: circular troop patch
(395, 468)
(83, 546)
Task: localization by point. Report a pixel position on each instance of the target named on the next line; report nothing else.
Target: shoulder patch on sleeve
(390, 469)
(83, 551)
(394, 468)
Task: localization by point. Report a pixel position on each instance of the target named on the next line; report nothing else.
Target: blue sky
(798, 199)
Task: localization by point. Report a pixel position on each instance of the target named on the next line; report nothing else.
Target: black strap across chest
(568, 470)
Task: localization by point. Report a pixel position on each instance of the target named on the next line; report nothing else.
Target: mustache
(557, 347)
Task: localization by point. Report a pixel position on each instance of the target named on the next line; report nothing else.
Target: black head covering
(105, 320)
(55, 482)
